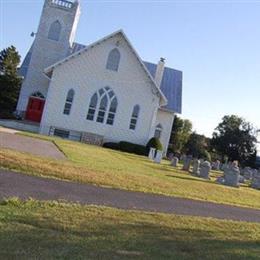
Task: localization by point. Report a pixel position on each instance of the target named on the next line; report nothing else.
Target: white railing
(62, 3)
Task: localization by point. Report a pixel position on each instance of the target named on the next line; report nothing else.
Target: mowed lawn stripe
(105, 167)
(50, 230)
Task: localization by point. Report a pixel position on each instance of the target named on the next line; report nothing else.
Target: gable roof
(171, 84)
(158, 92)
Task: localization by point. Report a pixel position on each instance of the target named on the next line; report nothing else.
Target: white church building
(96, 93)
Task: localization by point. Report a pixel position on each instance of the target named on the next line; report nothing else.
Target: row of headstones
(200, 169)
(232, 175)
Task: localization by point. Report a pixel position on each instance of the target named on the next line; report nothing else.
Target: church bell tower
(53, 42)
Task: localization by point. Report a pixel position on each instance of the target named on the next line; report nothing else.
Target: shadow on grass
(24, 237)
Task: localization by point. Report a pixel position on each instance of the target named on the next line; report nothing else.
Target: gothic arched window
(68, 102)
(103, 106)
(134, 117)
(113, 60)
(92, 107)
(54, 31)
(158, 131)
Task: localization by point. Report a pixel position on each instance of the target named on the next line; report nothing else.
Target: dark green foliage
(236, 139)
(140, 150)
(10, 81)
(154, 143)
(127, 147)
(111, 145)
(181, 131)
(132, 148)
(197, 146)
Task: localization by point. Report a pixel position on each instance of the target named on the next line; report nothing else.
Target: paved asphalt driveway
(24, 187)
(30, 145)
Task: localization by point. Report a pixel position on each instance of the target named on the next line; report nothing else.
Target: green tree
(197, 146)
(181, 131)
(10, 81)
(236, 139)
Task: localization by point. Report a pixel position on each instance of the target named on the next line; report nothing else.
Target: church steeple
(53, 40)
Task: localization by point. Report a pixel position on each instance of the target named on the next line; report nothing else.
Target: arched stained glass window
(106, 102)
(92, 107)
(54, 31)
(68, 102)
(113, 60)
(102, 109)
(112, 111)
(134, 117)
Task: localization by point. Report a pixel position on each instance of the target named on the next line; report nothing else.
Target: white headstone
(256, 181)
(158, 157)
(175, 161)
(187, 163)
(205, 168)
(151, 154)
(231, 175)
(196, 167)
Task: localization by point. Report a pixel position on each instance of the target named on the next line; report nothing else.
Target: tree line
(233, 139)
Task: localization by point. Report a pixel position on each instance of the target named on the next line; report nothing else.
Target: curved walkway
(24, 186)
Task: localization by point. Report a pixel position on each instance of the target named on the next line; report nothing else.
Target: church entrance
(35, 107)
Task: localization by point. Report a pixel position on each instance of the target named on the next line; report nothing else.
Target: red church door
(35, 109)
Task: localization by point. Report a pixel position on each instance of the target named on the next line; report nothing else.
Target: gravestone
(175, 161)
(216, 165)
(205, 168)
(231, 175)
(256, 181)
(196, 167)
(247, 172)
(187, 163)
(170, 157)
(151, 154)
(158, 157)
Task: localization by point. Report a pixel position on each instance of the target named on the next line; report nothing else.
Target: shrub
(127, 147)
(140, 150)
(132, 148)
(154, 143)
(110, 145)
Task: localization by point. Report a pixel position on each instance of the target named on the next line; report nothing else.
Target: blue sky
(215, 43)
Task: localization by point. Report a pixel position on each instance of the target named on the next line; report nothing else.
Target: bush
(132, 148)
(127, 147)
(110, 145)
(140, 150)
(154, 143)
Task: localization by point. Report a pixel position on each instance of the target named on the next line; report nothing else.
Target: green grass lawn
(48, 230)
(105, 167)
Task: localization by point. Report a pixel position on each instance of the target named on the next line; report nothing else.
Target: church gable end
(115, 58)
